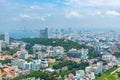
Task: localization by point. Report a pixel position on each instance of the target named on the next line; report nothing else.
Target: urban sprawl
(70, 56)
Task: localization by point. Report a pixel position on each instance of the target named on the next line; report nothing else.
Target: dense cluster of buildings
(31, 65)
(41, 51)
(41, 57)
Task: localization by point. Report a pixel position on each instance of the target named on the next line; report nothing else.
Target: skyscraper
(0, 45)
(44, 33)
(6, 38)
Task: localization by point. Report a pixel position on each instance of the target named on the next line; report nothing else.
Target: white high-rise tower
(0, 45)
(6, 38)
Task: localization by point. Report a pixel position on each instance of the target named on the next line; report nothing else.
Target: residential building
(80, 73)
(28, 66)
(18, 62)
(95, 70)
(44, 63)
(23, 54)
(39, 55)
(108, 57)
(82, 53)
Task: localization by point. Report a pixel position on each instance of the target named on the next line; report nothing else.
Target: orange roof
(0, 72)
(46, 54)
(9, 71)
(70, 75)
(75, 59)
(6, 56)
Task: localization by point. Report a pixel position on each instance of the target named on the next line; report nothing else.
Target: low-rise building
(108, 57)
(44, 63)
(82, 53)
(23, 54)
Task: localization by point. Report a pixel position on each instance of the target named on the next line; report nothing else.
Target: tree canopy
(67, 44)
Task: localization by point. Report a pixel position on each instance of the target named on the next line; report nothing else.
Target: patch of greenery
(93, 54)
(37, 74)
(5, 61)
(117, 54)
(70, 64)
(107, 75)
(11, 52)
(67, 44)
(28, 60)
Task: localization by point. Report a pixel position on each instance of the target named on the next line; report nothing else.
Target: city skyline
(37, 14)
(59, 40)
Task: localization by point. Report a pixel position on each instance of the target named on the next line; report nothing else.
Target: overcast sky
(36, 14)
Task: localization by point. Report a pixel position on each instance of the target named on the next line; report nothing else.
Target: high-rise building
(44, 33)
(6, 38)
(0, 45)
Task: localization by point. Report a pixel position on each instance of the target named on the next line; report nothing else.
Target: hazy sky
(15, 14)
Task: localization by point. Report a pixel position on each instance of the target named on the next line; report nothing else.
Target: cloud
(86, 12)
(110, 3)
(31, 17)
(21, 17)
(78, 3)
(72, 14)
(73, 3)
(89, 8)
(112, 13)
(25, 16)
(48, 15)
(35, 7)
(95, 13)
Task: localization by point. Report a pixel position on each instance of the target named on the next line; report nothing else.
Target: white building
(38, 48)
(0, 45)
(108, 57)
(80, 73)
(23, 54)
(52, 53)
(35, 66)
(44, 63)
(88, 69)
(20, 63)
(39, 55)
(6, 38)
(100, 66)
(82, 53)
(28, 66)
(91, 75)
(95, 70)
